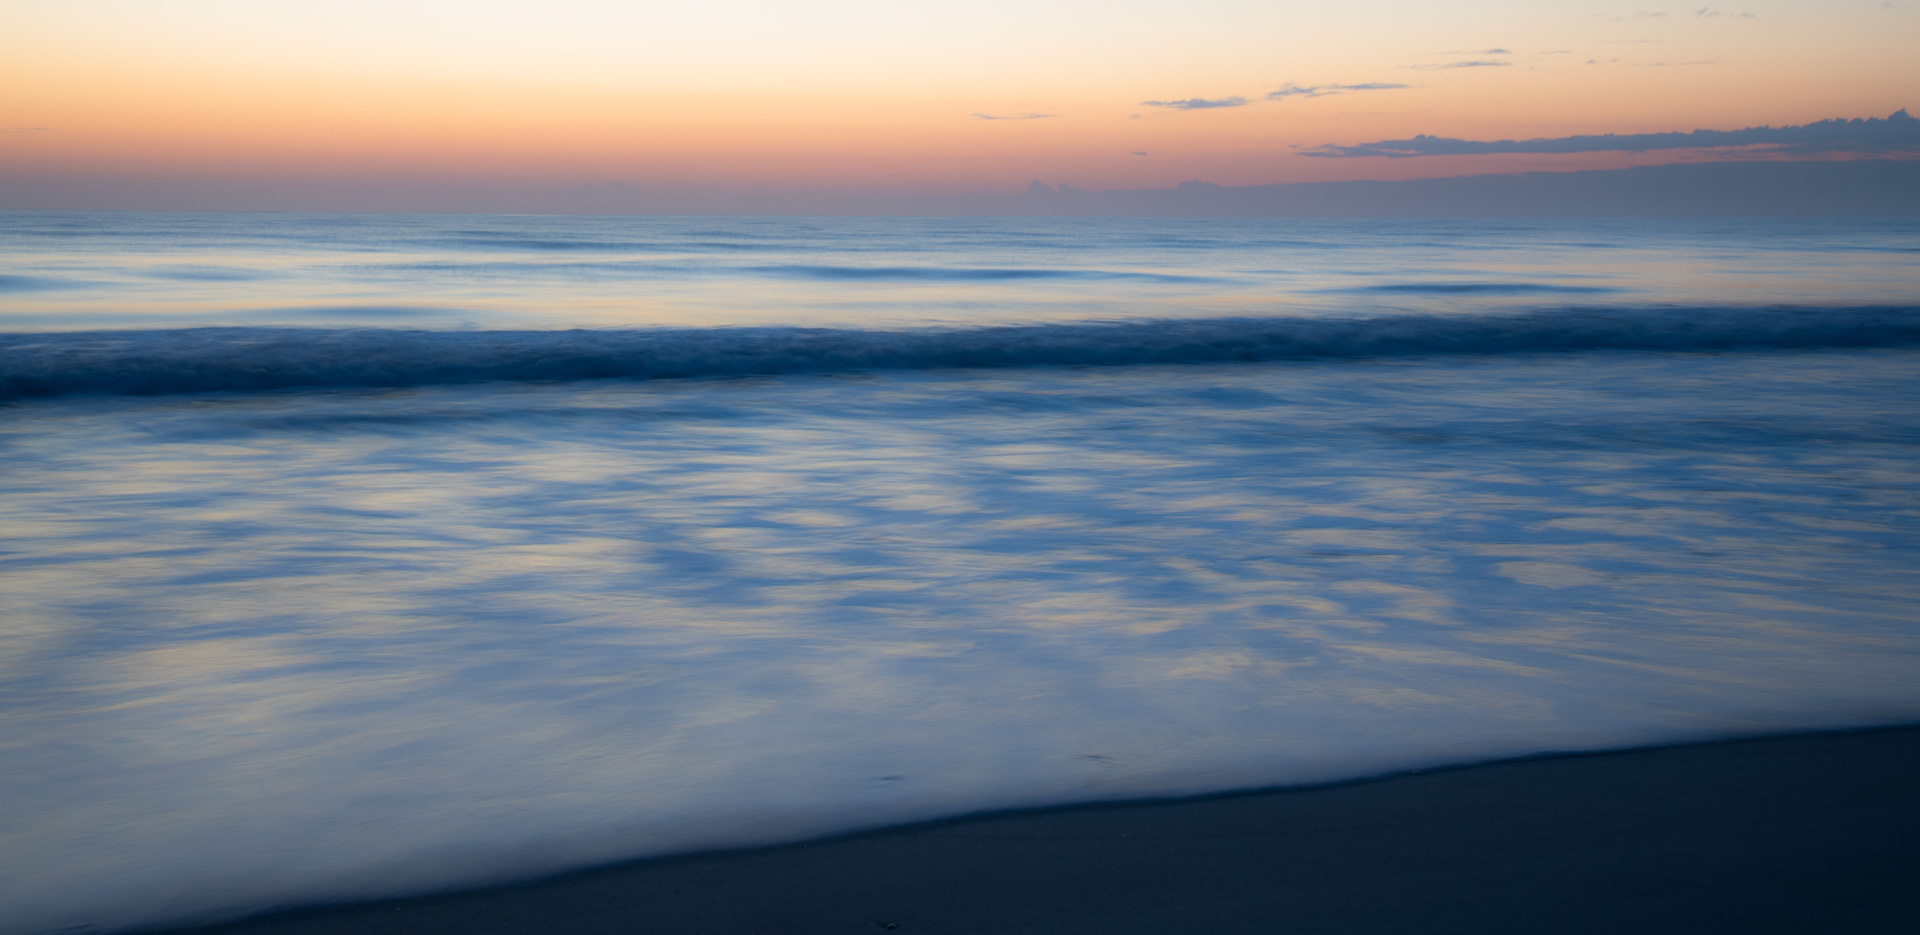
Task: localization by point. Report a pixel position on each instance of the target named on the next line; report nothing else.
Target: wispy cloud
(1322, 90)
(1711, 13)
(1896, 134)
(1474, 63)
(1014, 116)
(24, 130)
(1199, 103)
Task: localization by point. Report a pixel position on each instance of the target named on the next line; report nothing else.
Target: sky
(477, 103)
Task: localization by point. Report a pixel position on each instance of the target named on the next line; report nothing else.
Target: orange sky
(136, 94)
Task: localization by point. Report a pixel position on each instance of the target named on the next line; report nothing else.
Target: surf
(198, 360)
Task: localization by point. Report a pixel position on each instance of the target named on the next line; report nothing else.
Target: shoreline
(1802, 832)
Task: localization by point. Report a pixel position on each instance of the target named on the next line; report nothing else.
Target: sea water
(355, 556)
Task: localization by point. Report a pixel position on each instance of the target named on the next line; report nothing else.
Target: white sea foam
(279, 648)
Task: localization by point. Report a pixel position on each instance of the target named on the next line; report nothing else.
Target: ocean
(351, 556)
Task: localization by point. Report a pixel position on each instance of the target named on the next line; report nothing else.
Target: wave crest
(196, 360)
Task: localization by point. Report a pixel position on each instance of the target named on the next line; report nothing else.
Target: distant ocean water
(347, 556)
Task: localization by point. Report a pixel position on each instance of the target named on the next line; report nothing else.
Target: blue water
(350, 556)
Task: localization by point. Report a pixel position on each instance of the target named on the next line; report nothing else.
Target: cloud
(1477, 63)
(24, 130)
(1140, 152)
(1706, 12)
(1014, 116)
(1199, 103)
(1322, 90)
(1896, 134)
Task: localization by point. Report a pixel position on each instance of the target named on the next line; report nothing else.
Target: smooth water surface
(131, 270)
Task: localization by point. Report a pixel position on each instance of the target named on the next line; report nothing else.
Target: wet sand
(1815, 833)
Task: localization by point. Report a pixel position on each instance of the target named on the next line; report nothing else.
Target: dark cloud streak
(1322, 90)
(1199, 103)
(1897, 133)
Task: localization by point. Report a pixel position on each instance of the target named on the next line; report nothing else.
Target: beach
(689, 536)
(1788, 834)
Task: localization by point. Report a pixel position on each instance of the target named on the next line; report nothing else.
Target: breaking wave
(195, 360)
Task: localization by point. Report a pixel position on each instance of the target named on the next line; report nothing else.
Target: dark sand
(1795, 834)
